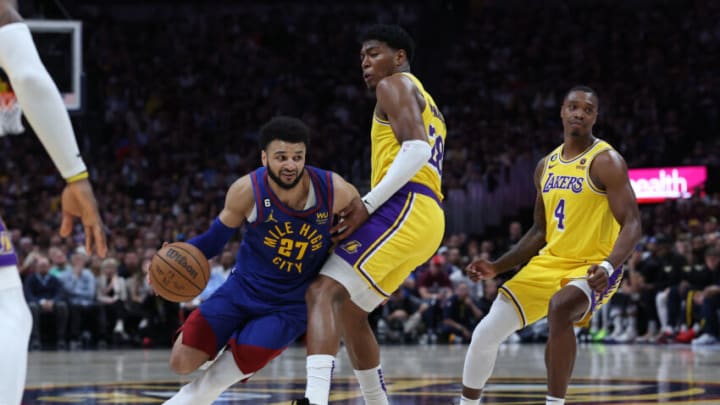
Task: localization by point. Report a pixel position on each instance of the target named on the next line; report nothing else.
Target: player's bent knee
(185, 359)
(324, 289)
(568, 306)
(485, 339)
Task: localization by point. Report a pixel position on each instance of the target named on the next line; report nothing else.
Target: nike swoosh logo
(551, 166)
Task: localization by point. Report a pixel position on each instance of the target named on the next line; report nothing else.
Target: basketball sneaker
(704, 339)
(301, 401)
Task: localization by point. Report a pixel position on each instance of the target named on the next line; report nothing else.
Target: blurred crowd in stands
(176, 94)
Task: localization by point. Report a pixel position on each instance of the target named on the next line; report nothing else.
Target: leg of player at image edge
(500, 322)
(15, 324)
(208, 386)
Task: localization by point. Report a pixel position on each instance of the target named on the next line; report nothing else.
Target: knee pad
(500, 322)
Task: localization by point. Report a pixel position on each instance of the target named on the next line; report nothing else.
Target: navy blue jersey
(283, 249)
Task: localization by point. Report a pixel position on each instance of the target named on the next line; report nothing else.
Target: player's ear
(263, 157)
(400, 57)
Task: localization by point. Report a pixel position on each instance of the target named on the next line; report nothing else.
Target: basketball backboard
(59, 43)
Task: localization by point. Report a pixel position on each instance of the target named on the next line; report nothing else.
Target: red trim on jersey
(256, 190)
(290, 211)
(331, 194)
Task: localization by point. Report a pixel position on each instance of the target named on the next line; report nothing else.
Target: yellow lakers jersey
(385, 146)
(579, 223)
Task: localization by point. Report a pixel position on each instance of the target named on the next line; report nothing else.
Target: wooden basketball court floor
(422, 374)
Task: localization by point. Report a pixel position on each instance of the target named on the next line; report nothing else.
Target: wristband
(80, 176)
(607, 267)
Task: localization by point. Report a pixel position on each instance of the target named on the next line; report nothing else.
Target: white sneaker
(704, 339)
(627, 337)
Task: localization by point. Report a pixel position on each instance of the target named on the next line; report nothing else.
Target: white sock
(661, 305)
(319, 376)
(39, 98)
(208, 386)
(372, 386)
(466, 401)
(554, 401)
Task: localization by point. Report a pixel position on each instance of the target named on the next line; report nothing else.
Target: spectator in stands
(661, 269)
(460, 315)
(434, 287)
(112, 299)
(401, 319)
(59, 261)
(79, 285)
(45, 295)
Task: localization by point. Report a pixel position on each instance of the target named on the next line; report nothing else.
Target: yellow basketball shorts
(532, 288)
(397, 238)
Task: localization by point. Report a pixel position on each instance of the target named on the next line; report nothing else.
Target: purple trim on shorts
(8, 259)
(418, 188)
(381, 224)
(613, 285)
(390, 233)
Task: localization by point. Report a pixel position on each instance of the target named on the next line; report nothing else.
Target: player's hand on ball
(481, 269)
(597, 279)
(351, 217)
(78, 201)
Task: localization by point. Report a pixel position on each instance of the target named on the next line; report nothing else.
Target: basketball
(179, 272)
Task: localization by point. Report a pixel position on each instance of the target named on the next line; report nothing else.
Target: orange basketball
(179, 272)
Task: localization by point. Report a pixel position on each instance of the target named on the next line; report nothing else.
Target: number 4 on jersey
(560, 214)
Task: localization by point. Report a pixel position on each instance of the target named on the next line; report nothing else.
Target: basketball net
(10, 114)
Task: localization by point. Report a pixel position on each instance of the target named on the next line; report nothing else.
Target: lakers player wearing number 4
(586, 224)
(396, 227)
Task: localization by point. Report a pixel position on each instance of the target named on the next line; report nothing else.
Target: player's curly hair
(393, 35)
(283, 128)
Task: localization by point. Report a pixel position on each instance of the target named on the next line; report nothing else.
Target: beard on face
(282, 184)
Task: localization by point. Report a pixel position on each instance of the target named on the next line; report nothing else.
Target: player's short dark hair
(584, 89)
(283, 128)
(393, 35)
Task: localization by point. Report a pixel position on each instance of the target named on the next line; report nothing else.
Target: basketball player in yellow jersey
(392, 230)
(40, 100)
(586, 225)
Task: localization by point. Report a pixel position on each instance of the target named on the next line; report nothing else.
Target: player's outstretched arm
(239, 203)
(40, 99)
(534, 239)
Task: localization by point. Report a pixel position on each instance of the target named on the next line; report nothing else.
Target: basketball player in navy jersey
(287, 209)
(40, 99)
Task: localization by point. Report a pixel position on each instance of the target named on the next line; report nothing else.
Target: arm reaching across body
(400, 101)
